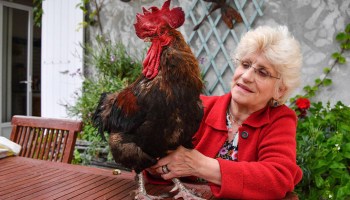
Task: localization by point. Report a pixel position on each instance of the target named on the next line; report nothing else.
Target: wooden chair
(45, 138)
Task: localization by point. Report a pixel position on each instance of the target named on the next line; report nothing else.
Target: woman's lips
(244, 87)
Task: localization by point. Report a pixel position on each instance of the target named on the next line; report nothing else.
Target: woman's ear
(280, 91)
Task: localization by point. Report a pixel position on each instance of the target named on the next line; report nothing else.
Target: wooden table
(26, 178)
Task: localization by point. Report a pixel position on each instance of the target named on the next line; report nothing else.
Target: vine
(37, 12)
(310, 91)
(91, 13)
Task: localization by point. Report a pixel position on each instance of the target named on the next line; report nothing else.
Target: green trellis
(214, 42)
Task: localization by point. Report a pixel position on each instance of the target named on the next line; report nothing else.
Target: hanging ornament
(228, 14)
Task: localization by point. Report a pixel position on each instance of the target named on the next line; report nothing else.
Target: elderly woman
(245, 147)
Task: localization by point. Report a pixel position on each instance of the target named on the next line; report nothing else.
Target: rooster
(161, 110)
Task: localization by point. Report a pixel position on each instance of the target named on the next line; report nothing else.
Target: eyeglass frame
(256, 69)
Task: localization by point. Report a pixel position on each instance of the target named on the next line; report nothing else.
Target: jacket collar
(217, 117)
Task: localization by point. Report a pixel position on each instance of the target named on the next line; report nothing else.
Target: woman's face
(254, 82)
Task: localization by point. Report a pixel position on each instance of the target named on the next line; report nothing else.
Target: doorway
(20, 58)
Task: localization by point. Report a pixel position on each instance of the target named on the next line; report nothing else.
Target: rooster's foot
(184, 193)
(187, 195)
(140, 193)
(145, 196)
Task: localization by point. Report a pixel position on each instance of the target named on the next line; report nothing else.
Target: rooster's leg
(141, 193)
(185, 193)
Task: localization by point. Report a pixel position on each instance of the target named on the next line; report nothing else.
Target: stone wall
(314, 23)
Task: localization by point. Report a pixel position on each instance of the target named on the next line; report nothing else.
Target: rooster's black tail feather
(97, 118)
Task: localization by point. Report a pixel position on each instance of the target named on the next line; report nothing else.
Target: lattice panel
(214, 43)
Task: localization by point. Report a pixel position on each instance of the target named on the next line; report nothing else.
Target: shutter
(62, 55)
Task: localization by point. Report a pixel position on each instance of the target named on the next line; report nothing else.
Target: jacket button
(244, 134)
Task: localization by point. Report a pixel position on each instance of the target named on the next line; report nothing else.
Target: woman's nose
(249, 74)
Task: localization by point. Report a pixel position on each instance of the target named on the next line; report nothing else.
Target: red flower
(303, 103)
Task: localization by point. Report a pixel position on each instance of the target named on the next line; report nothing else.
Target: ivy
(91, 10)
(38, 12)
(343, 38)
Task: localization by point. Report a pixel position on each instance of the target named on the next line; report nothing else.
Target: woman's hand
(187, 162)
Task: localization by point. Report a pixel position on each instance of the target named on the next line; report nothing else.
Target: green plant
(343, 39)
(114, 69)
(37, 12)
(323, 139)
(94, 149)
(91, 10)
(323, 152)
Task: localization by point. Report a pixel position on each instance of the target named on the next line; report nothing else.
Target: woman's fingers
(176, 164)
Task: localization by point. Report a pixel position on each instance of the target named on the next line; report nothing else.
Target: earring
(274, 103)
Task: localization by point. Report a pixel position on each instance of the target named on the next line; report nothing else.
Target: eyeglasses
(260, 71)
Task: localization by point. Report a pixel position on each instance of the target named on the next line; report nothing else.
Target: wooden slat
(83, 192)
(41, 138)
(36, 132)
(28, 183)
(43, 144)
(97, 192)
(46, 123)
(47, 188)
(53, 146)
(52, 187)
(24, 133)
(119, 192)
(46, 149)
(20, 177)
(80, 188)
(59, 144)
(30, 143)
(63, 147)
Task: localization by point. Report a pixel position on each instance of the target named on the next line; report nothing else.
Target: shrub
(113, 70)
(323, 152)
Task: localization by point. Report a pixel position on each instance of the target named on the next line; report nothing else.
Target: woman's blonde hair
(280, 48)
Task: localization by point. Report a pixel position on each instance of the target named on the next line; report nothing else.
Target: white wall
(61, 56)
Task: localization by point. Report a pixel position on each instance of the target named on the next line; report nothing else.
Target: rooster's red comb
(152, 22)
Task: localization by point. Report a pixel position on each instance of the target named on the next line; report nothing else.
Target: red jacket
(266, 167)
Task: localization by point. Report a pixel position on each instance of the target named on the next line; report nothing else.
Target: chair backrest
(45, 138)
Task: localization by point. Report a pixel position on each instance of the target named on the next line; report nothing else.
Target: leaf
(92, 15)
(336, 55)
(346, 147)
(327, 82)
(343, 192)
(341, 60)
(337, 173)
(326, 70)
(347, 29)
(307, 88)
(336, 165)
(345, 46)
(292, 99)
(341, 37)
(319, 164)
(319, 181)
(318, 81)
